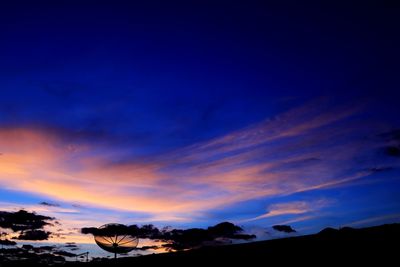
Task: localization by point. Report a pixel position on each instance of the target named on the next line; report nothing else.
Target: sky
(190, 113)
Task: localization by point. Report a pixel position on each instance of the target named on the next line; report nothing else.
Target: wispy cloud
(376, 219)
(313, 147)
(292, 208)
(300, 219)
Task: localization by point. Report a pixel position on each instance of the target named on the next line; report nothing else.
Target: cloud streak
(292, 208)
(308, 148)
(381, 218)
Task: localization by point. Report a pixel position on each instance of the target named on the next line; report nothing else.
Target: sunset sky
(188, 114)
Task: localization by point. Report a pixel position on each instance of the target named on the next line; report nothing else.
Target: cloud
(49, 204)
(301, 219)
(380, 169)
(392, 151)
(292, 208)
(392, 139)
(296, 151)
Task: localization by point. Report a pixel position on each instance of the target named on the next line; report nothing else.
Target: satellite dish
(115, 238)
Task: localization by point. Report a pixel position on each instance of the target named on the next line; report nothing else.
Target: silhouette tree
(284, 228)
(176, 239)
(28, 225)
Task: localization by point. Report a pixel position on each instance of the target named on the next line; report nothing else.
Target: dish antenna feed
(115, 238)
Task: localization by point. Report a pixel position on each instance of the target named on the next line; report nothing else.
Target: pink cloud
(297, 151)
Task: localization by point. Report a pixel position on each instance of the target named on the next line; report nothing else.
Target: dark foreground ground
(379, 246)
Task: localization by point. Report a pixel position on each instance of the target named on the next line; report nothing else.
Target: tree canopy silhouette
(284, 228)
(176, 239)
(7, 242)
(29, 225)
(33, 235)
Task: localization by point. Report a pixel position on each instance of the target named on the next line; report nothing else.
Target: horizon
(189, 114)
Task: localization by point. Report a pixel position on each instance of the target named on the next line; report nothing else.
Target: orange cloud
(292, 153)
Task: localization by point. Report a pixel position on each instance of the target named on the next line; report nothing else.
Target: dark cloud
(393, 135)
(176, 239)
(392, 139)
(393, 151)
(379, 169)
(44, 203)
(284, 228)
(35, 235)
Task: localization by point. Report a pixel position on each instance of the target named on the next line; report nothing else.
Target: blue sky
(190, 113)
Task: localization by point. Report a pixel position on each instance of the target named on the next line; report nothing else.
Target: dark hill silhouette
(329, 231)
(374, 246)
